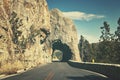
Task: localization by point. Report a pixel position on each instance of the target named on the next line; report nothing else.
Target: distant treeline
(107, 50)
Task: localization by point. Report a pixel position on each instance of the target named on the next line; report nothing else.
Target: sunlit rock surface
(63, 28)
(24, 27)
(27, 30)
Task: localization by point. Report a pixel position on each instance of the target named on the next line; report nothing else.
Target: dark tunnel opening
(64, 48)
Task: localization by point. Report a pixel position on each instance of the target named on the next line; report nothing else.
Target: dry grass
(11, 68)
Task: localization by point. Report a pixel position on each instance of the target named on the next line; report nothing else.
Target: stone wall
(112, 71)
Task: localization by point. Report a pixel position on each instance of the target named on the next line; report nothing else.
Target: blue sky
(89, 15)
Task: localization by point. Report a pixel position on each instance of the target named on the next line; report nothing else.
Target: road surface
(57, 71)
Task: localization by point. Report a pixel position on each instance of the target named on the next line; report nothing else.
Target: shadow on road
(89, 77)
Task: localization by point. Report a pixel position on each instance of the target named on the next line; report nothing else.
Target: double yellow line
(49, 76)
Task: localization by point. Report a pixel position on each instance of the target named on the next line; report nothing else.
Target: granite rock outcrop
(27, 29)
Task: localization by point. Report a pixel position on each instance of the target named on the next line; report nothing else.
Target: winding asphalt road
(57, 71)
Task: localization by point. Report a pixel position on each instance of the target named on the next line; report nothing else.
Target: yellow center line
(49, 76)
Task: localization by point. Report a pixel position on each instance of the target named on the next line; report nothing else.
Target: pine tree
(117, 33)
(80, 46)
(85, 50)
(106, 36)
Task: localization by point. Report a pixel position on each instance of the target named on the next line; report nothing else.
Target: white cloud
(77, 15)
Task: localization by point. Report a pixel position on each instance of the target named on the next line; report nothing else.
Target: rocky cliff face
(24, 27)
(62, 28)
(27, 30)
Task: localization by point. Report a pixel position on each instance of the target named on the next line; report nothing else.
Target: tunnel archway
(64, 48)
(57, 56)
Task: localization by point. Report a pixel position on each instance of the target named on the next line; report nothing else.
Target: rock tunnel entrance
(57, 56)
(62, 48)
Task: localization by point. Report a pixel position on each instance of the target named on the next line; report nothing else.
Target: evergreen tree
(80, 46)
(85, 50)
(117, 33)
(106, 51)
(106, 36)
